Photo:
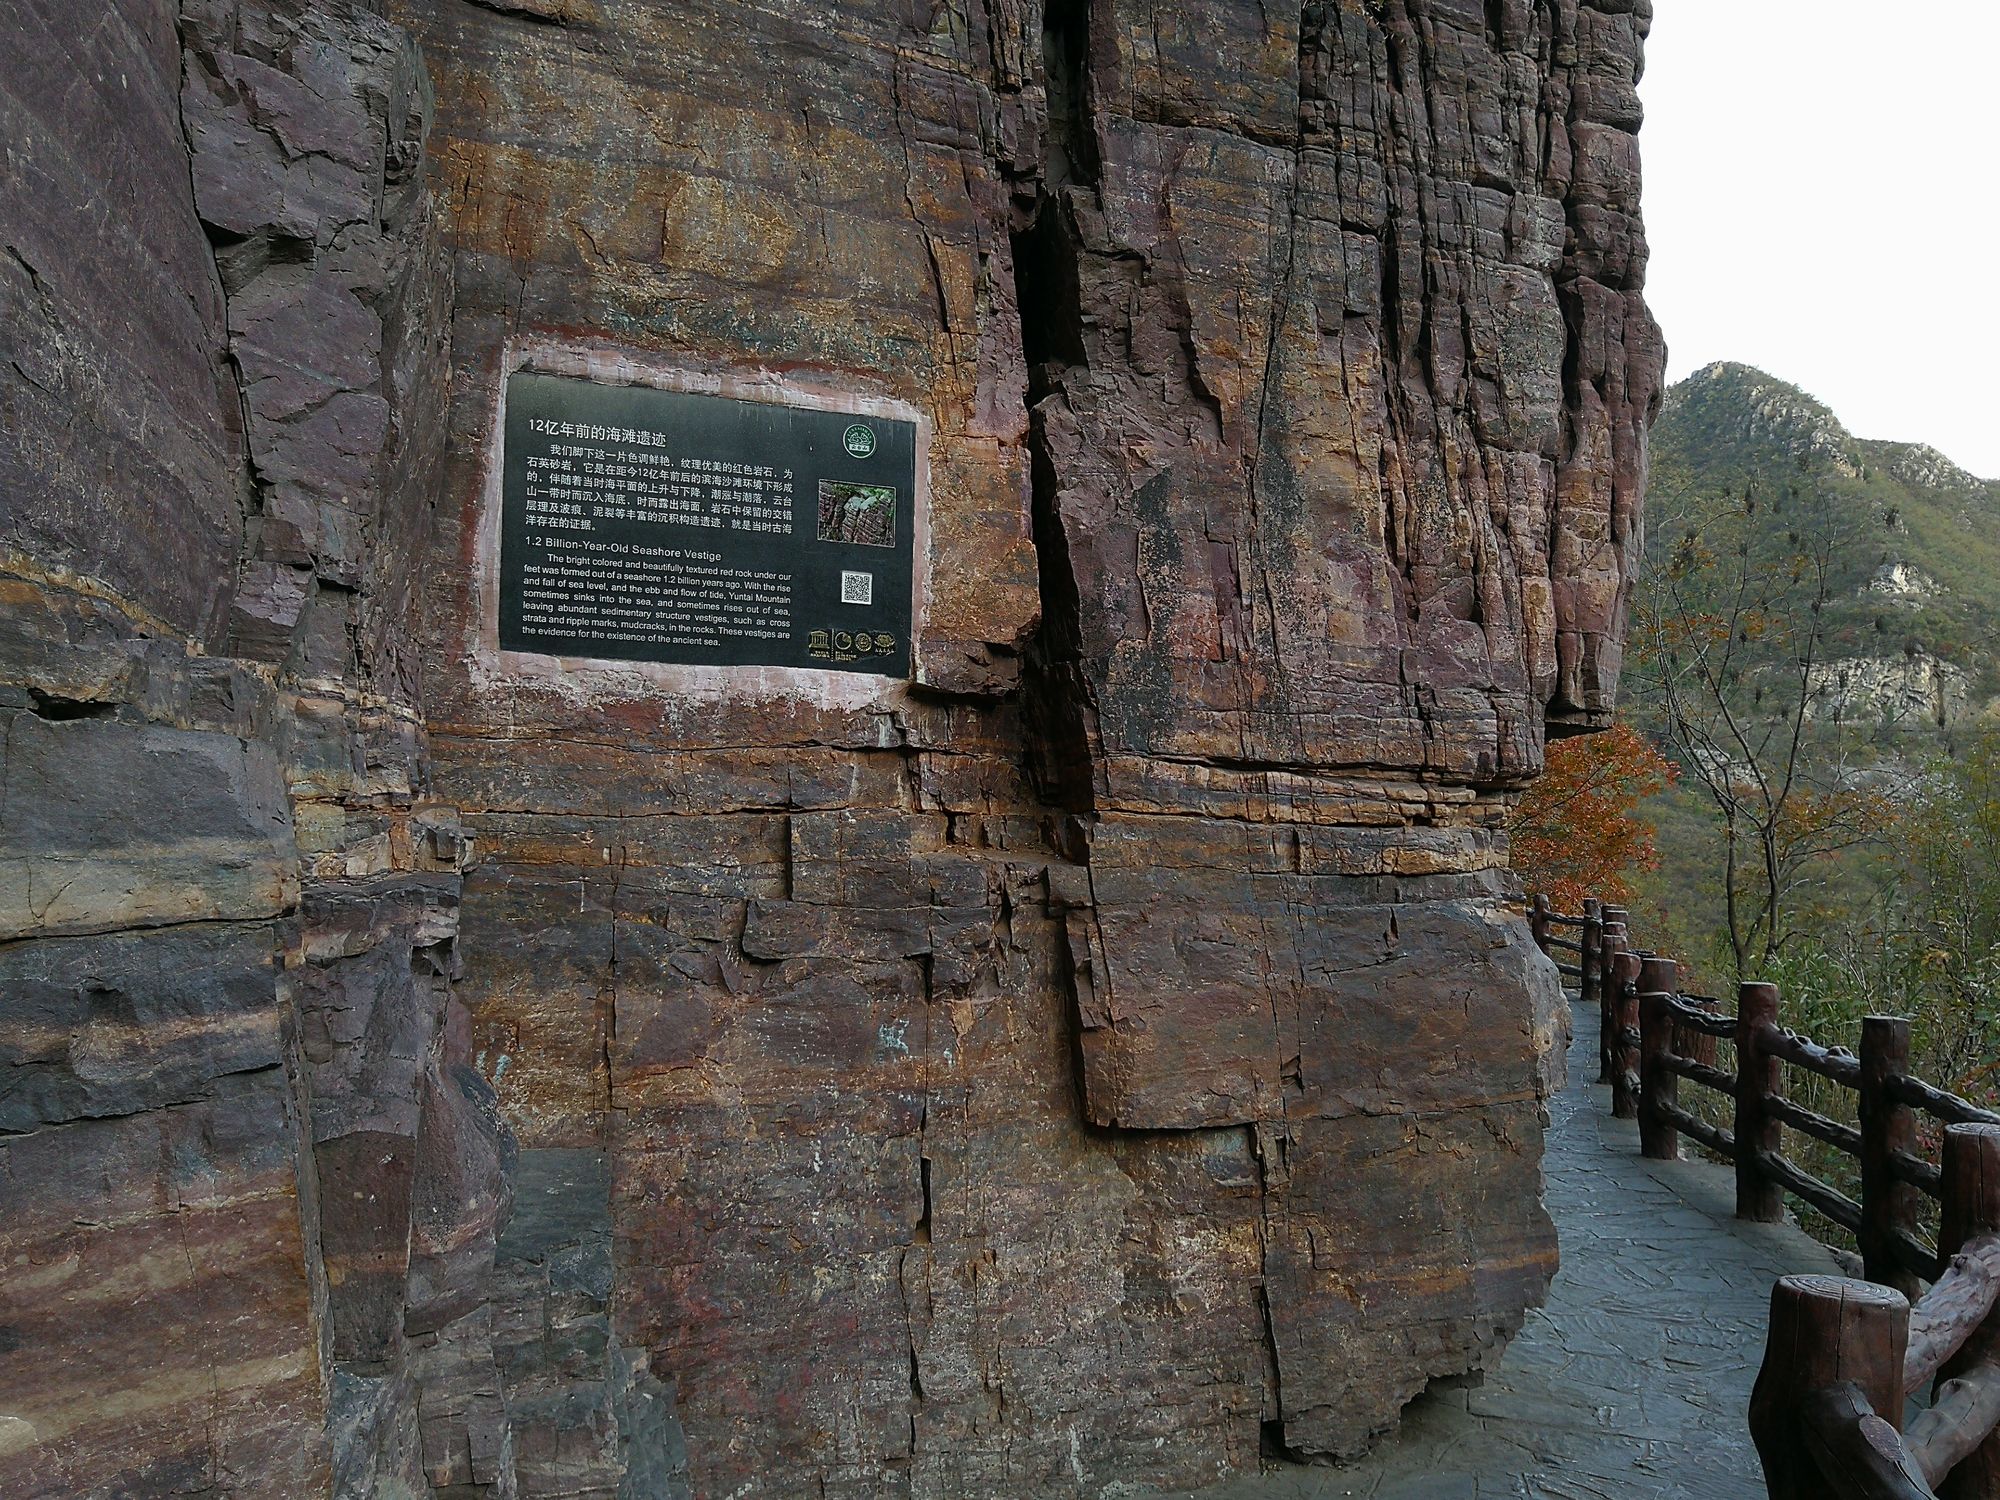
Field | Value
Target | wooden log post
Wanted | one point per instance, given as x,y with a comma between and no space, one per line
1588,961
1658,1083
1824,1330
1538,921
1609,946
1970,1191
1760,1078
1625,1018
1888,1127
1616,939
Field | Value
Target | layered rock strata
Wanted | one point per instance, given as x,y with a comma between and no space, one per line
246,1167
1102,1060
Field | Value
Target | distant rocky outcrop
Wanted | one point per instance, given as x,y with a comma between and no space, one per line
1105,1058
1922,465
1898,580
1915,689
1736,404
1724,408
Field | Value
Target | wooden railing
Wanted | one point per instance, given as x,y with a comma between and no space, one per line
1843,1354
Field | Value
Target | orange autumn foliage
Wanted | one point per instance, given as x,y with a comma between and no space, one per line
1575,832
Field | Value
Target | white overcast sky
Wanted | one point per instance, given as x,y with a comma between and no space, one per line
1823,200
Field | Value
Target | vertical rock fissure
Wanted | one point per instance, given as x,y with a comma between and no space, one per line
249,490
1048,296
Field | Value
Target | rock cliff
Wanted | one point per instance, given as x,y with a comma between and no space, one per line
1100,1060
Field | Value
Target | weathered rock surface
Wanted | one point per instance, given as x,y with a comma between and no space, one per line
1915,688
245,1169
1105,1059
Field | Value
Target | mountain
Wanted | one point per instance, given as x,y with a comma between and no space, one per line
1915,612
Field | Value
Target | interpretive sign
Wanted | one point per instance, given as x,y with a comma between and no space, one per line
665,526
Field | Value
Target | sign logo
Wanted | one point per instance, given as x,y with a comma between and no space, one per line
859,441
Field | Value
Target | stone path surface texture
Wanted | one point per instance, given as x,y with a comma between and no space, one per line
1635,1377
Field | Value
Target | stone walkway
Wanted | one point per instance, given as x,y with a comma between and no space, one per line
1634,1379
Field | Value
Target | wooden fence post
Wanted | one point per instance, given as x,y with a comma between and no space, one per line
1538,921
1824,1329
1591,933
1887,1127
1970,1191
1760,1077
1658,1084
1616,935
1625,1017
1609,946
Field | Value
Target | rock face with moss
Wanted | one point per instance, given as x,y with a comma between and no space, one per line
1106,1056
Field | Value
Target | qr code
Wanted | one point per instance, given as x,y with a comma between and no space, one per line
857,588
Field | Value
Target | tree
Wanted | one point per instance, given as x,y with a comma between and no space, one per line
1575,832
1732,642
1953,903
1930,947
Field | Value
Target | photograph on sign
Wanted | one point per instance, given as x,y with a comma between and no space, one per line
863,514
640,524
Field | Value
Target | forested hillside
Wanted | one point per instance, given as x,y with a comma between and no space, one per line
1815,653
1914,605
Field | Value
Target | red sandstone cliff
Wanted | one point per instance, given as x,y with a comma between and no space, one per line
1104,1057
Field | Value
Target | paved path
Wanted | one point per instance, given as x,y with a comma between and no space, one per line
1634,1380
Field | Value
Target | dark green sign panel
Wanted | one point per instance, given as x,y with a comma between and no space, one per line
648,525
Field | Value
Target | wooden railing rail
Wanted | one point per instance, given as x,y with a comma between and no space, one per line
1801,1184
1819,1127
1836,1063
1688,1012
1843,1354
1947,1107
1957,1304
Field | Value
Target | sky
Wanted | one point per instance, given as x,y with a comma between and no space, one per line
1822,193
